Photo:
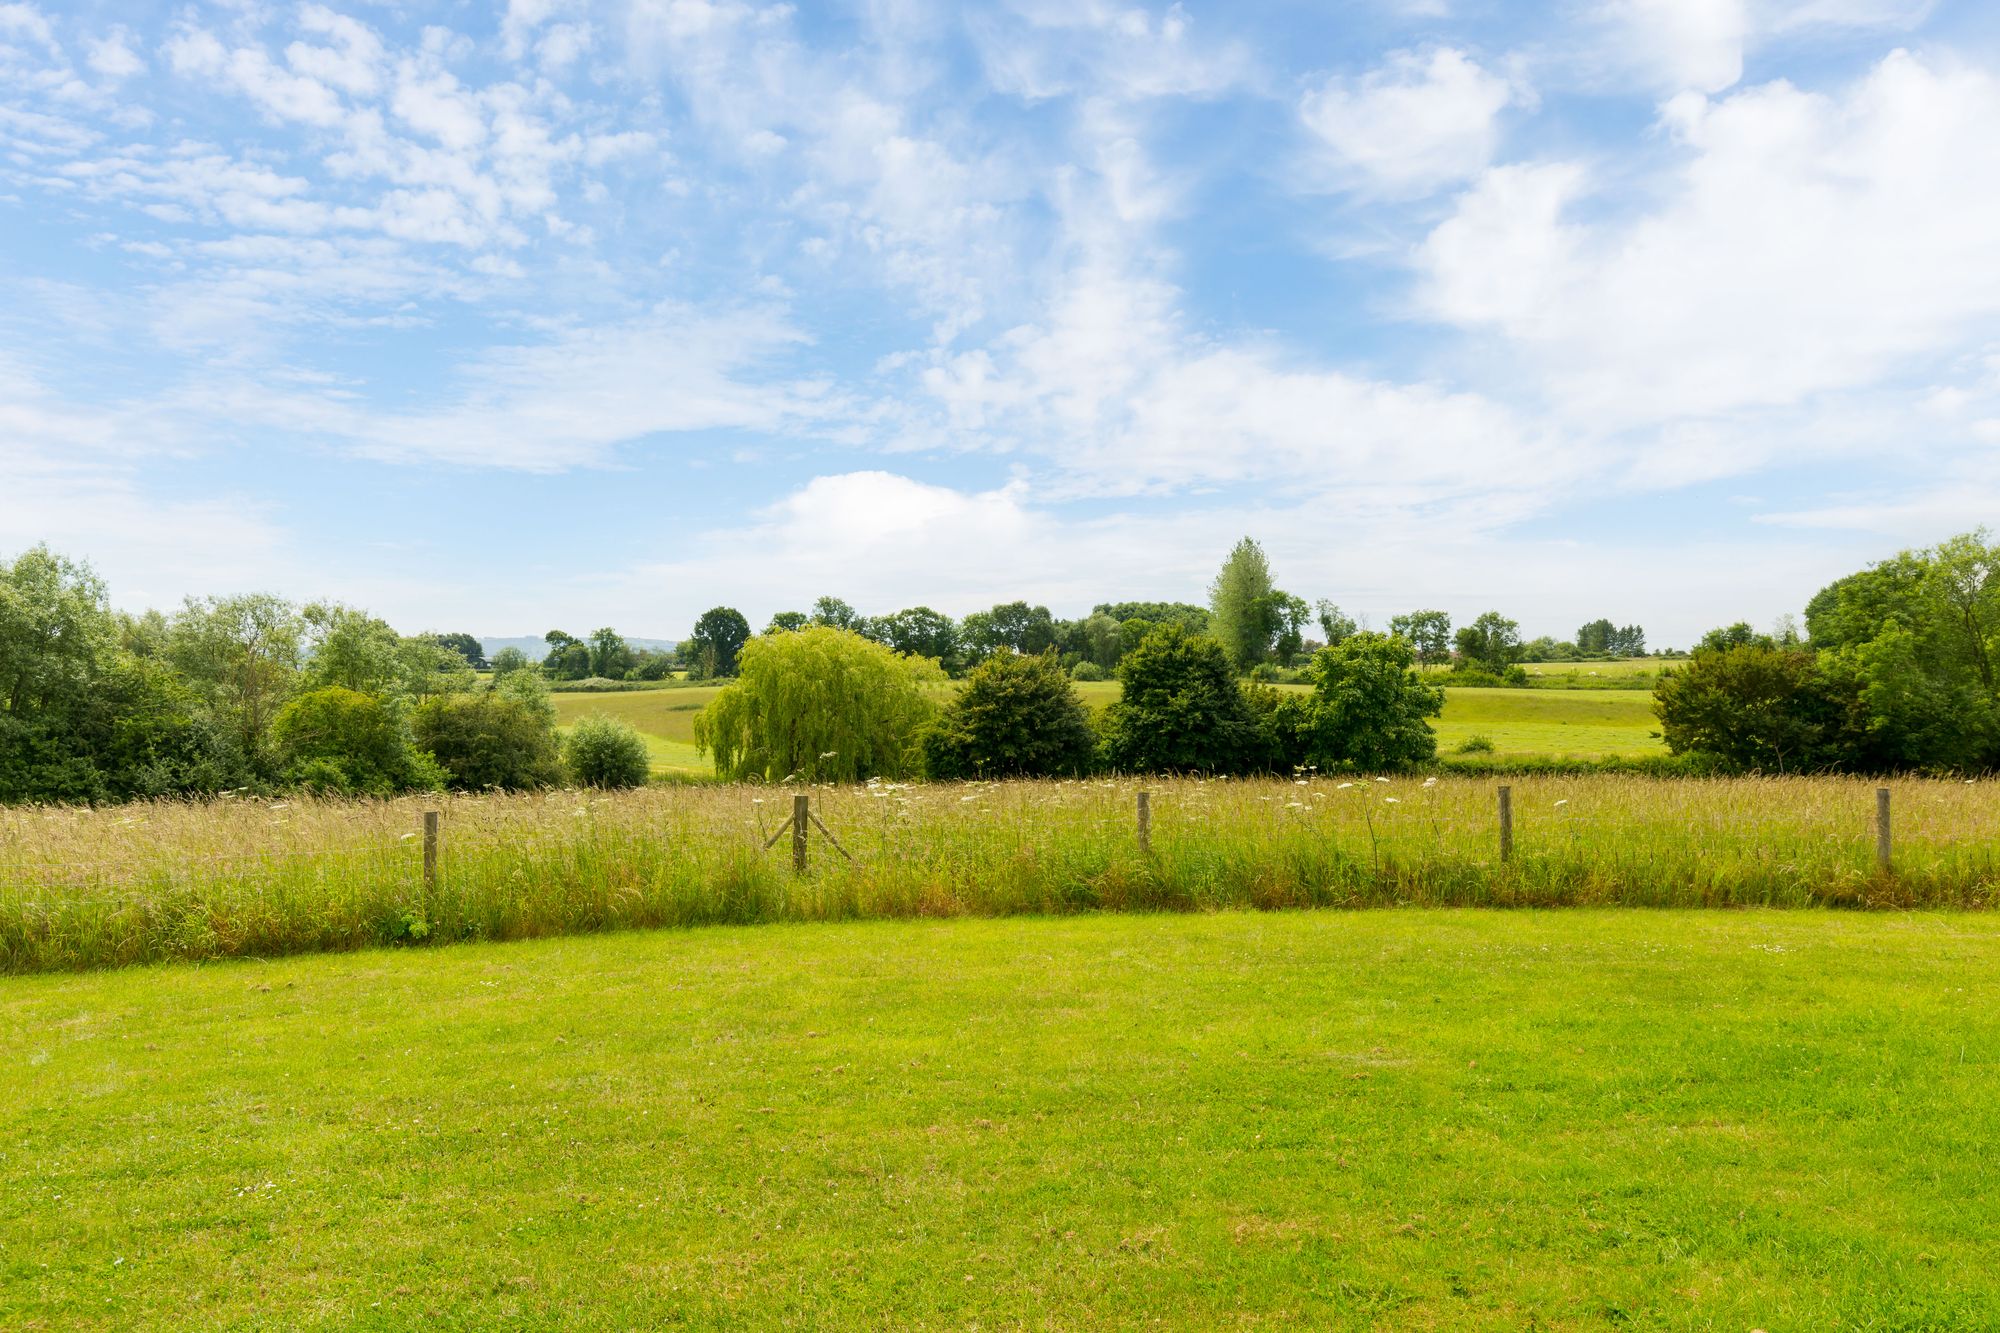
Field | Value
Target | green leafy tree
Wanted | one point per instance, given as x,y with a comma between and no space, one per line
920,632
242,656
1016,716
1242,607
1181,710
821,705
604,752
1288,617
352,649
1753,706
1739,635
1334,623
833,611
787,620
609,657
509,660
1428,632
711,648
1368,711
341,741
1186,614
501,737
1491,643
466,646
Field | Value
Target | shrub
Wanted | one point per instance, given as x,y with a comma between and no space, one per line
348,743
1087,670
1753,707
1181,710
821,704
1367,711
1476,745
604,752
1017,716
494,738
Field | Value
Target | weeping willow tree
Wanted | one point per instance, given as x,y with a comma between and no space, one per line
820,704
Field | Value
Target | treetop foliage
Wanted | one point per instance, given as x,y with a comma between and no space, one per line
819,705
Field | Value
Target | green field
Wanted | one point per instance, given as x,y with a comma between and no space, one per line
1557,722
1525,724
1398,1119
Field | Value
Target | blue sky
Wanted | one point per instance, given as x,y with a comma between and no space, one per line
563,313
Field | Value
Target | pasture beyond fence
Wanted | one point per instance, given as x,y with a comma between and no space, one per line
83,888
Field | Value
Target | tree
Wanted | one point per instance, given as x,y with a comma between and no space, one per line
711,648
1428,632
609,657
1016,716
1751,705
1288,617
347,743
604,752
1739,635
1367,711
1242,612
1181,710
509,660
1186,614
920,632
1334,623
787,620
241,655
494,738
820,705
1491,643
1102,640
832,611
465,646
353,649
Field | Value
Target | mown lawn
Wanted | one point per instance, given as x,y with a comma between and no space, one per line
1394,1119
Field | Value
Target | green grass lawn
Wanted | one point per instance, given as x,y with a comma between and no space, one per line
1395,1119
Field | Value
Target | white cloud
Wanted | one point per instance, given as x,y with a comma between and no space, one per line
1420,121
1700,45
113,57
569,401
1803,244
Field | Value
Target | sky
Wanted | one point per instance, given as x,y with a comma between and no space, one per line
560,314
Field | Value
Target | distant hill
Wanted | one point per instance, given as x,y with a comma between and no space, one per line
536,649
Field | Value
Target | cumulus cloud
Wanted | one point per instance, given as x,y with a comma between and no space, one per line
1420,121
1803,244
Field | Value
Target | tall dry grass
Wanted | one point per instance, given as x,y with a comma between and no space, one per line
92,888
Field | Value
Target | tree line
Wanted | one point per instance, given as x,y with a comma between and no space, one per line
1893,670
256,693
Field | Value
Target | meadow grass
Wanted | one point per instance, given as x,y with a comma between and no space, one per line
1410,1120
90,888
1554,723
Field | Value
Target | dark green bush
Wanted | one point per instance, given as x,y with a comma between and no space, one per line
1016,717
604,752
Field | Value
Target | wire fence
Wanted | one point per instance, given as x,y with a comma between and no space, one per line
244,876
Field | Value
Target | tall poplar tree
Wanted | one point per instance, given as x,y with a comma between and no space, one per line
1242,605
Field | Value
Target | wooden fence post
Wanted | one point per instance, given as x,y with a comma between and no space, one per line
801,816
1145,823
1882,858
1506,823
430,851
